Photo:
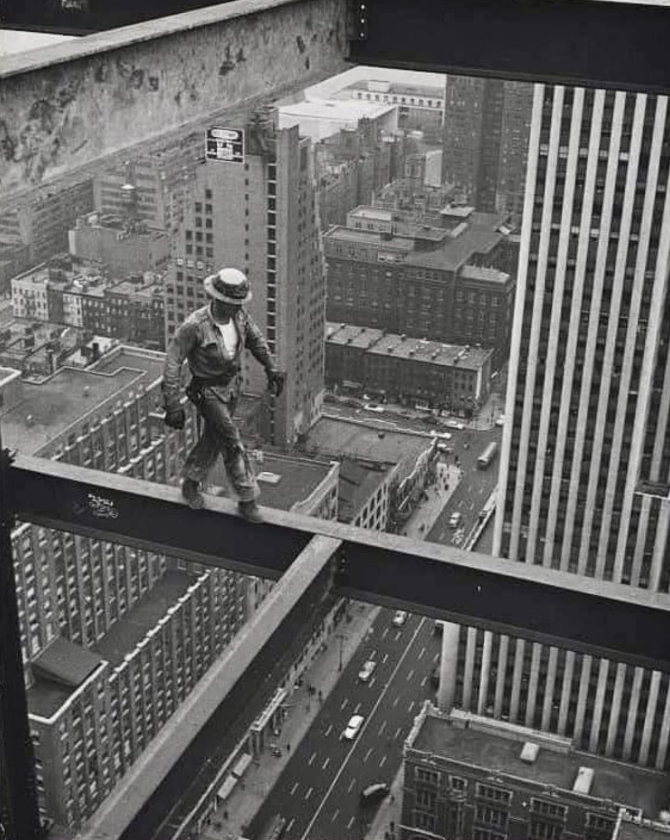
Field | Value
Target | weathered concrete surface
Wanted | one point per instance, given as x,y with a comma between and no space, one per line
72,104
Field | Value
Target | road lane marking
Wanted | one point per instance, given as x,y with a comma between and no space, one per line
383,761
372,682
288,827
344,703
395,702
410,675
327,761
367,755
436,657
295,787
334,817
423,650
351,784
397,732
411,706
397,635
385,632
329,730
373,654
312,758
386,656
358,706
324,799
309,793
424,681
382,728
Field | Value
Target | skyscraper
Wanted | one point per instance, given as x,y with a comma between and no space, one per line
485,141
260,215
585,466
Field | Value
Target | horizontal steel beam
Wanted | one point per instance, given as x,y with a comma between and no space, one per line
598,617
583,42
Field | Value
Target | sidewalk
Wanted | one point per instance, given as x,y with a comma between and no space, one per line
427,513
389,811
230,820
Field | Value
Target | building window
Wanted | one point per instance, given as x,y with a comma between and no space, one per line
543,830
431,777
493,794
548,809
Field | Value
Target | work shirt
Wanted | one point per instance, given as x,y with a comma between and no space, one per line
199,341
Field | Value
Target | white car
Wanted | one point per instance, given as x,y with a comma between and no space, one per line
400,618
353,727
454,424
500,421
376,408
366,671
455,520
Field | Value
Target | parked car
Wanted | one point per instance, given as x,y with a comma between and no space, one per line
454,424
500,421
353,727
376,408
400,618
366,671
455,519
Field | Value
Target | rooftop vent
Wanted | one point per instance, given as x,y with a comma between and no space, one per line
268,477
529,752
584,780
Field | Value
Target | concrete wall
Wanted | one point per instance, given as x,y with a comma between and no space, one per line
74,103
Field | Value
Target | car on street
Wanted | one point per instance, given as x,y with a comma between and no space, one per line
366,671
454,424
353,727
500,421
455,519
400,618
378,409
374,793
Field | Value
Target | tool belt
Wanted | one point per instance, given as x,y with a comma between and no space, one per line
228,386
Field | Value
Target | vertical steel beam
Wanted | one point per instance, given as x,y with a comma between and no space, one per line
19,814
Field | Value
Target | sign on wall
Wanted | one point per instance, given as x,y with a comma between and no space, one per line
225,144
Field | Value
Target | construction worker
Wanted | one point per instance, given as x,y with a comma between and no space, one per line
212,340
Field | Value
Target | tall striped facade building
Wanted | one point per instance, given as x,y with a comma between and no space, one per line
585,467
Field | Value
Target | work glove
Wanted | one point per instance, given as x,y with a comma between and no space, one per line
276,381
175,418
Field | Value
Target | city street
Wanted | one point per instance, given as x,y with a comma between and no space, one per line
319,791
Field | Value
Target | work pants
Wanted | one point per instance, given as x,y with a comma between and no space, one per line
220,436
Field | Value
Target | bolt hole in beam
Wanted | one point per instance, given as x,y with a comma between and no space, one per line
620,622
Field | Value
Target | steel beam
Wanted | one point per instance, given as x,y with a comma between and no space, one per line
598,617
583,42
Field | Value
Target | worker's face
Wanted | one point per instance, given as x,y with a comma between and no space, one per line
224,310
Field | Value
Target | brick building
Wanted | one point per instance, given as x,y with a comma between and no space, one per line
424,279
408,370
470,778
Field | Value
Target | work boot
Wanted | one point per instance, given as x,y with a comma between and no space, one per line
190,490
250,511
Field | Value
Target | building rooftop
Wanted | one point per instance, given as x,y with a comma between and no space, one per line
489,275
284,481
148,362
57,673
50,407
481,746
359,337
339,110
124,636
362,237
338,438
367,212
358,482
399,88
471,238
431,352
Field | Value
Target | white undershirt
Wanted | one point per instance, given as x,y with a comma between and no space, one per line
230,337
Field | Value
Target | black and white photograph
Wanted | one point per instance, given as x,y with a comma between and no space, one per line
335,420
